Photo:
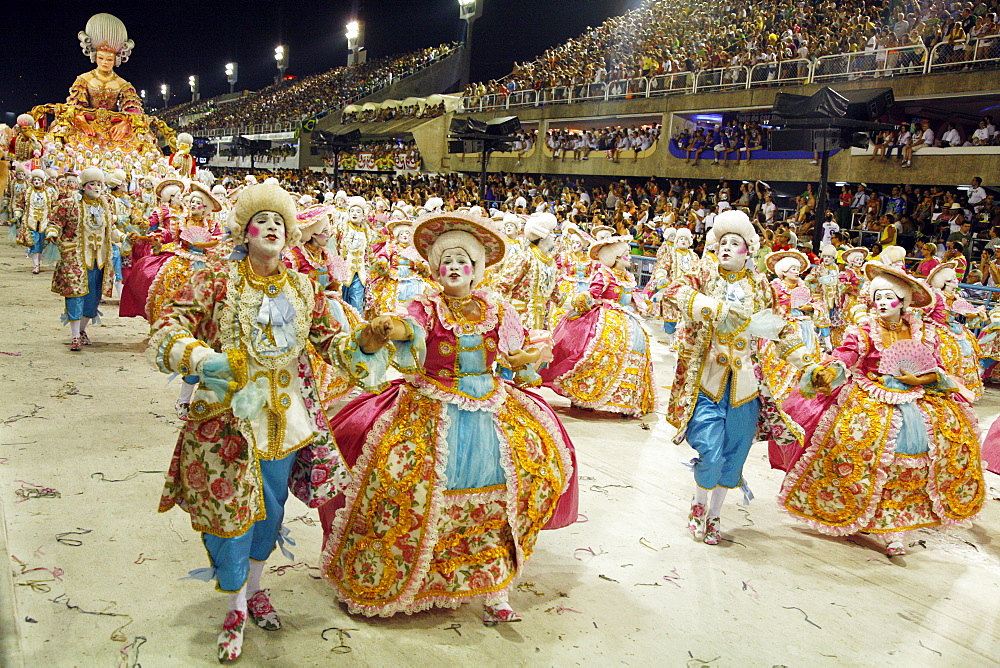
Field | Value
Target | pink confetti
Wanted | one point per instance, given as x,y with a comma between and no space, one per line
4,352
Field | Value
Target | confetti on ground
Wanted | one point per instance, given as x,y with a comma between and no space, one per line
643,425
142,558
130,653
342,648
673,577
529,587
747,587
30,490
305,519
695,661
929,649
4,352
603,489
455,626
72,542
116,635
33,414
559,609
281,570
69,389
747,516
645,543
605,577
787,607
587,549
100,476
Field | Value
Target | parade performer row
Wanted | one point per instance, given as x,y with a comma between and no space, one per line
483,465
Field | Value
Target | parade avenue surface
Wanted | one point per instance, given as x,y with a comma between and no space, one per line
85,437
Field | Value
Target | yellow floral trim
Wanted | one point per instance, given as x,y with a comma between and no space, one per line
184,368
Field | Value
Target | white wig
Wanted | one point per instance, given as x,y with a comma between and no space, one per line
892,255
459,239
898,286
938,278
105,32
264,197
609,252
786,263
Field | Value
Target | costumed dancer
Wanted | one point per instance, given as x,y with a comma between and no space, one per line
989,344
181,159
352,240
528,280
717,402
165,227
826,289
574,265
850,291
16,189
455,470
399,273
84,229
312,258
256,428
793,301
676,261
888,447
960,352
601,356
37,202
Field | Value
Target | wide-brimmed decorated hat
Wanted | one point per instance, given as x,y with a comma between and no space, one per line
213,203
392,225
168,182
596,247
772,259
432,226
920,295
937,271
595,231
846,255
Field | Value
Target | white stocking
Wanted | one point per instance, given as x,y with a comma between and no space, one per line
118,288
187,389
253,582
715,506
83,324
238,601
700,495
36,259
74,329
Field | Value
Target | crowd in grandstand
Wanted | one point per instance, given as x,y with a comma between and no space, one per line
315,95
612,141
392,113
666,37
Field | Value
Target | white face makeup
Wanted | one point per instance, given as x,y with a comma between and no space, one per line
682,241
888,304
856,260
829,261
404,235
951,286
105,61
576,243
198,203
510,229
266,233
93,189
792,272
356,214
322,235
623,260
732,252
455,270
37,181
545,245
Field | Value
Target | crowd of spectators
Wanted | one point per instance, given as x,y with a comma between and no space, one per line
392,113
667,37
612,141
315,95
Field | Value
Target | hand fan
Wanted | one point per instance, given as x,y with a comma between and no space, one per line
907,356
800,296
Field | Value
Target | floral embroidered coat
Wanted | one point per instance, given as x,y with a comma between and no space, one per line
84,243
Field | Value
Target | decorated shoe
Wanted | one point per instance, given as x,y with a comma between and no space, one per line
182,409
75,345
262,612
84,339
231,638
696,520
495,614
712,534
895,549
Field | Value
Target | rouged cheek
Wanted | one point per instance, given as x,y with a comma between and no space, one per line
894,303
253,231
741,251
442,270
467,270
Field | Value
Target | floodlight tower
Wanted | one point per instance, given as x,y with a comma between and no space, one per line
232,70
355,42
469,11
281,58
195,88
165,94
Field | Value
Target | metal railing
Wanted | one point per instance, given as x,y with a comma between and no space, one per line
887,62
964,55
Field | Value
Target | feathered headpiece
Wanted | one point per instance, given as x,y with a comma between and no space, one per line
105,32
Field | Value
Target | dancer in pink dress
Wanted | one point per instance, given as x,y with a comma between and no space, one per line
454,470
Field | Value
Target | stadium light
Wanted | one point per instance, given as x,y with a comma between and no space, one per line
232,71
468,11
165,93
355,42
195,88
281,58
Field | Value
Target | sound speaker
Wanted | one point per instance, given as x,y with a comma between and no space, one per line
868,105
506,125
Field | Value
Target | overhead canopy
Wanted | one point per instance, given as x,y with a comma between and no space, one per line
370,105
414,101
351,108
389,104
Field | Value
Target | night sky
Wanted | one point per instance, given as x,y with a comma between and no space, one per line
177,38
